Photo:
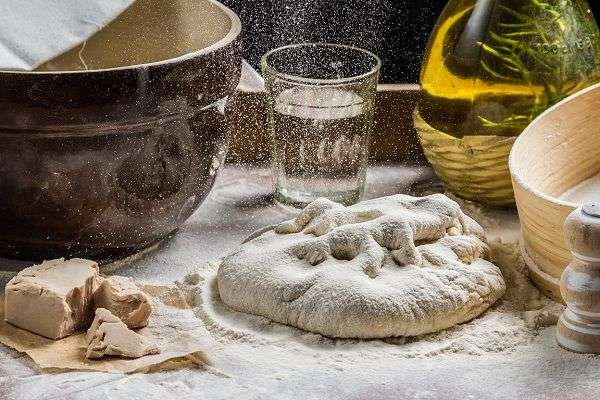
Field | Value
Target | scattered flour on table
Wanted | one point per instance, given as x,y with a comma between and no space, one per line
513,322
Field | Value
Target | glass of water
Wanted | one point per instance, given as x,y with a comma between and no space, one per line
320,120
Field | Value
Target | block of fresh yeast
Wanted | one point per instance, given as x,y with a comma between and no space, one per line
53,299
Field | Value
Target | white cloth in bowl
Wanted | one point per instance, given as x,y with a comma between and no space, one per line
35,31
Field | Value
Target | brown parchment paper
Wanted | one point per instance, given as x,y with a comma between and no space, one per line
181,337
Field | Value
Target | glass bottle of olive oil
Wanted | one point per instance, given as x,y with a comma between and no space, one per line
490,68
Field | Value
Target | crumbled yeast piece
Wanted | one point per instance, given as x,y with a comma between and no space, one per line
109,336
121,296
53,299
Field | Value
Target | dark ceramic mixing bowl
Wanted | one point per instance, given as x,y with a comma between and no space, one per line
102,162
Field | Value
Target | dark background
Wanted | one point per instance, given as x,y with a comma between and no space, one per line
397,30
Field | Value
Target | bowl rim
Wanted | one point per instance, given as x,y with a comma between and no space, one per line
511,158
234,32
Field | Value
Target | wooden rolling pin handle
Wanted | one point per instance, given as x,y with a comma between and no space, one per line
578,328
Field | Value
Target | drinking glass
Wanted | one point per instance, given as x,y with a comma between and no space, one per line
320,111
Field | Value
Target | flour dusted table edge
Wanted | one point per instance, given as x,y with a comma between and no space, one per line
238,205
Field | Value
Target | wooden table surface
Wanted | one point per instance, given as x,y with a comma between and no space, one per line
239,204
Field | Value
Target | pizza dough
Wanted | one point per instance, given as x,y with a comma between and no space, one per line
393,266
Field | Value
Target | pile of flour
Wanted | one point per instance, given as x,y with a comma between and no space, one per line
514,321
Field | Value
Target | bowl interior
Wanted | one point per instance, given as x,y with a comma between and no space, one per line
149,31
561,148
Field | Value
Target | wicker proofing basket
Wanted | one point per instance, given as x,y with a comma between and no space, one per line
557,151
473,167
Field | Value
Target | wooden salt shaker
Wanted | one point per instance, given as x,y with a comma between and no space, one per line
578,328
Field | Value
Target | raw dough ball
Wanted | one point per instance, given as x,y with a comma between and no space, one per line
394,266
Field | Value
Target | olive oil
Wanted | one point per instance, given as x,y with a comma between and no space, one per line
490,68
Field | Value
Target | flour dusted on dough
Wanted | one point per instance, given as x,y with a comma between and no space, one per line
394,266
